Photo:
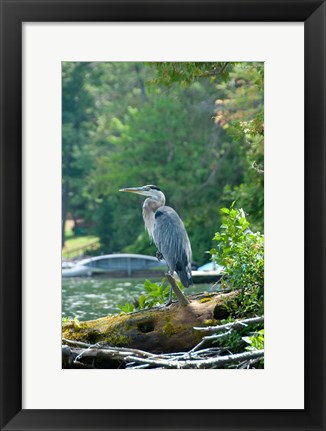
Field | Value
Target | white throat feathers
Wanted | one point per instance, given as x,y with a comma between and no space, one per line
150,206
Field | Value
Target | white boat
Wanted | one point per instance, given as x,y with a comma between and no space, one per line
118,265
211,266
211,272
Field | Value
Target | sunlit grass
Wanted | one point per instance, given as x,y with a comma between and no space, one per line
74,245
69,228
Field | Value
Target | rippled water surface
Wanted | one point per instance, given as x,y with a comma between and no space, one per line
90,298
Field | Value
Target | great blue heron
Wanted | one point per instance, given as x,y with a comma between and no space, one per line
167,230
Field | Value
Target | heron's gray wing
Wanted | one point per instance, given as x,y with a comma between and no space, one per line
172,241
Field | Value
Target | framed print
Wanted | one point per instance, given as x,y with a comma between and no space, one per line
58,61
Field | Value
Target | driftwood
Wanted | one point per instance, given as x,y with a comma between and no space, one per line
226,330
200,363
158,330
95,356
76,354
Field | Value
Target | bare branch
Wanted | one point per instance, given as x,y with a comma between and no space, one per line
204,363
210,338
138,359
75,343
238,324
258,169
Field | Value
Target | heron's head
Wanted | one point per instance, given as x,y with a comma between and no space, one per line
150,191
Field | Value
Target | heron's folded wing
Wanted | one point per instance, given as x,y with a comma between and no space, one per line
171,238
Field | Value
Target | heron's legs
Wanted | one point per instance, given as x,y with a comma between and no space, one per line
179,294
159,257
169,301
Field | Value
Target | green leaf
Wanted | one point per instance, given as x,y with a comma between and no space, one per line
141,301
126,308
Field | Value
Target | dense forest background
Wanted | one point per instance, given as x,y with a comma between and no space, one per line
193,129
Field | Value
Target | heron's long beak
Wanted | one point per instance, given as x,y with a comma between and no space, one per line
138,190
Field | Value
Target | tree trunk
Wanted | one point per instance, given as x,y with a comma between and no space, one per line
65,196
141,83
157,330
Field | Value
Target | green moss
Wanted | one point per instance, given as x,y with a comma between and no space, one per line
225,309
90,335
115,338
206,299
210,322
169,328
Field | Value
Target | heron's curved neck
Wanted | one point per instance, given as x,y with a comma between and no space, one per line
149,207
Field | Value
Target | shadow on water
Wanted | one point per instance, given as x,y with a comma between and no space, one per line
89,298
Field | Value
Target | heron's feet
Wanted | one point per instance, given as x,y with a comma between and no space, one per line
169,301
159,255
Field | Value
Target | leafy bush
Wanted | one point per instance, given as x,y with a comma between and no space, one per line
156,294
241,252
256,341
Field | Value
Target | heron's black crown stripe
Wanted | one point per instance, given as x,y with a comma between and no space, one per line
154,188
158,213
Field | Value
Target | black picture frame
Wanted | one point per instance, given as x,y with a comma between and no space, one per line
13,14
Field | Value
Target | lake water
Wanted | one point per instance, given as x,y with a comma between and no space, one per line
93,297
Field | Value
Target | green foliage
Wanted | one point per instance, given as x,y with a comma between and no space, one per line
241,252
156,294
256,341
65,319
127,308
244,122
232,342
168,73
77,126
237,341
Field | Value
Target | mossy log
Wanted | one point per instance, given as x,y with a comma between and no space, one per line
157,330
